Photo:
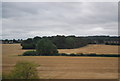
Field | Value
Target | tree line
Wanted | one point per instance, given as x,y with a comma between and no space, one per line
47,47
70,42
61,42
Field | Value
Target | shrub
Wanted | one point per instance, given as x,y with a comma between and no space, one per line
46,48
81,54
56,54
24,70
72,54
29,53
92,54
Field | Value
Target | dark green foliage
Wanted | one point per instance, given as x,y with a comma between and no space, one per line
73,54
36,39
34,53
92,55
57,54
46,47
29,53
59,41
63,54
81,54
28,44
23,70
70,42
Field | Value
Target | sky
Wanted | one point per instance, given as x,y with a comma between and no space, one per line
21,20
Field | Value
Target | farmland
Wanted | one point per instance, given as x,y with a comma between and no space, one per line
93,48
64,67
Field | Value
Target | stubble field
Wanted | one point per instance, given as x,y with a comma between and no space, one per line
66,67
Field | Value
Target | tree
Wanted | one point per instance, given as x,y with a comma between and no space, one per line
70,42
36,39
28,44
60,41
46,47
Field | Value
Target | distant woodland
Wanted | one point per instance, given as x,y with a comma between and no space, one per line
66,42
70,42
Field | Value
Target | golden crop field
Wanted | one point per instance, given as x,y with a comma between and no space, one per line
66,67
93,48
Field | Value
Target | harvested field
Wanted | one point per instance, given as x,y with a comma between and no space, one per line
93,48
63,67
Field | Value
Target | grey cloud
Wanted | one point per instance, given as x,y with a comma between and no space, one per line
28,19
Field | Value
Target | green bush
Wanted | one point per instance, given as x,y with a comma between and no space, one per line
23,70
46,48
29,53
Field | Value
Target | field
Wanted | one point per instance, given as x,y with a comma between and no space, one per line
65,67
93,48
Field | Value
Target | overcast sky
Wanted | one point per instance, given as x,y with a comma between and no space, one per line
30,19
